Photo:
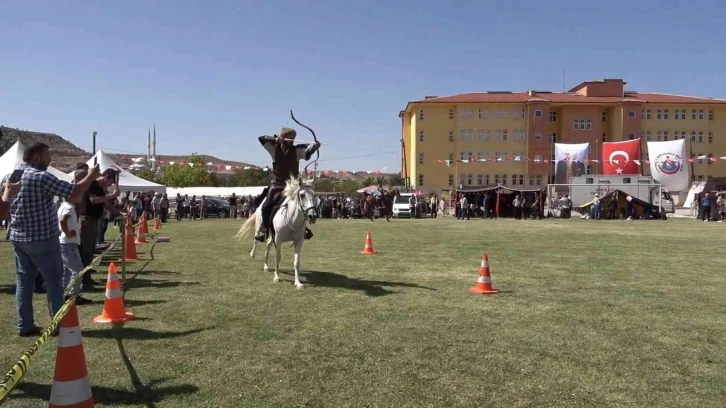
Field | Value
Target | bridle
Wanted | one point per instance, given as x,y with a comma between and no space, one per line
304,211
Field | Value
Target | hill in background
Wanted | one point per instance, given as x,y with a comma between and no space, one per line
66,155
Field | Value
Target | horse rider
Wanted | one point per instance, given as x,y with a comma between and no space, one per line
285,164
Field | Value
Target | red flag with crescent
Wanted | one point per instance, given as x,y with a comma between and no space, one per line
621,157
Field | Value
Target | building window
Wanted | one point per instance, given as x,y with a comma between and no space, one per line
537,135
631,136
700,137
632,114
710,114
659,135
520,135
498,114
481,135
694,114
582,124
589,148
451,179
588,169
518,113
451,114
501,134
535,180
683,135
665,135
538,114
701,114
665,113
466,135
420,180
700,156
486,179
420,135
683,114
518,156
659,114
504,179
679,114
553,137
497,179
487,114
520,179
482,157
466,156
647,114
710,137
451,157
466,114
505,114
604,137
479,179
538,158
553,116
420,115
451,135
604,116
648,135
499,156
481,114
420,158
699,178
693,136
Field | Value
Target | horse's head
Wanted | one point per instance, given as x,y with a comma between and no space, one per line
301,192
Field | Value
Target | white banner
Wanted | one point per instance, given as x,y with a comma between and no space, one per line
669,165
569,159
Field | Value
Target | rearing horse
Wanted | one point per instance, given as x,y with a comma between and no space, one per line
288,224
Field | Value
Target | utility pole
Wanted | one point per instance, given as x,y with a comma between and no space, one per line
94,142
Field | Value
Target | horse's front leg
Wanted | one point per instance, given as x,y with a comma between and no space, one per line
278,255
296,262
267,254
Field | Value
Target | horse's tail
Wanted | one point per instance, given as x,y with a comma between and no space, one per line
247,226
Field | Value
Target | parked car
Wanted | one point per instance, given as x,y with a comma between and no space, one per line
401,208
217,207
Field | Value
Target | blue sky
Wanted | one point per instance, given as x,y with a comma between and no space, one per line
214,75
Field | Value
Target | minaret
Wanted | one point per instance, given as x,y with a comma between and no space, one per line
153,152
148,149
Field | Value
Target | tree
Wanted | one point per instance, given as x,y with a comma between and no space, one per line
192,174
252,177
396,180
146,174
7,139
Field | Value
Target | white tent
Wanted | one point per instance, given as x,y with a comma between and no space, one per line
127,181
13,159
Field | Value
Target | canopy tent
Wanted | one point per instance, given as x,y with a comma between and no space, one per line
215,191
642,209
503,195
13,159
698,187
127,181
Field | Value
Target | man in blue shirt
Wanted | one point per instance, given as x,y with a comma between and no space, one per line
34,233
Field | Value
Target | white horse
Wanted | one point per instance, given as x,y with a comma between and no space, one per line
289,224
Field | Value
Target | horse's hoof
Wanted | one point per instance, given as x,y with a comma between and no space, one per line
299,286
265,269
275,280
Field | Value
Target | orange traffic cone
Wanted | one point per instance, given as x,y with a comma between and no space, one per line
114,310
140,233
484,283
368,249
71,386
129,243
157,223
143,226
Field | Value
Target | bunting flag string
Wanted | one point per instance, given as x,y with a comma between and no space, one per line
521,159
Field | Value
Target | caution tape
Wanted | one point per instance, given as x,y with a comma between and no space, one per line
17,372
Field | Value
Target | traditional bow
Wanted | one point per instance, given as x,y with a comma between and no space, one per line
317,151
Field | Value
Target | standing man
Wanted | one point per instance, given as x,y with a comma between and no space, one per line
285,164
34,233
95,202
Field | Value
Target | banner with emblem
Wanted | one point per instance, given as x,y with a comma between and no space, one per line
620,157
668,164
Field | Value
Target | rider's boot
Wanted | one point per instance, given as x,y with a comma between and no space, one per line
261,234
308,233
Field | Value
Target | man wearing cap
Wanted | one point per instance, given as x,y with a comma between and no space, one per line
285,164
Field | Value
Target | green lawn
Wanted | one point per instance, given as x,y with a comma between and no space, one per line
591,314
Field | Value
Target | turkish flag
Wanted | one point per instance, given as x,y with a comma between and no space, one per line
619,157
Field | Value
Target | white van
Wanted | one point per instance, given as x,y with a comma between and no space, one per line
401,208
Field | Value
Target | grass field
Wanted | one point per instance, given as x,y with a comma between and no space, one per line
591,314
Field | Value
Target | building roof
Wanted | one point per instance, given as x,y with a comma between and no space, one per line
565,97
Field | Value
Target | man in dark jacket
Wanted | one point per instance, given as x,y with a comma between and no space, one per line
285,164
